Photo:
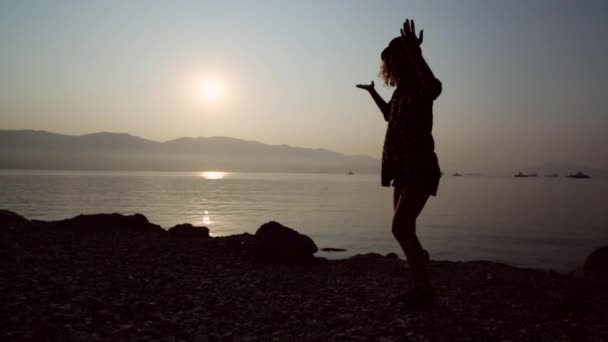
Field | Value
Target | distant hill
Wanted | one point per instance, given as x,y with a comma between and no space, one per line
28,149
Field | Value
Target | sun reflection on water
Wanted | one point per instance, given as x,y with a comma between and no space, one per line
206,220
213,174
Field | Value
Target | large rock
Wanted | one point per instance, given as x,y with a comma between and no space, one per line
596,265
108,223
276,243
9,217
189,231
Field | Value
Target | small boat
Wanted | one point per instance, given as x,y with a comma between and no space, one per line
456,174
350,173
579,175
523,175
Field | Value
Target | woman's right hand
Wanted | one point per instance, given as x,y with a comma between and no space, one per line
368,87
384,108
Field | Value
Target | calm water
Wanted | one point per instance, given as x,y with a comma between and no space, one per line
533,222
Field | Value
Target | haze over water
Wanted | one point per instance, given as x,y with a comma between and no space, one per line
534,222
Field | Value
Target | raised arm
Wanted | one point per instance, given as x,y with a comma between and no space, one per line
384,107
431,86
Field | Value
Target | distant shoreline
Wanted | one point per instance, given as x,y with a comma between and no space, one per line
27,149
177,172
119,171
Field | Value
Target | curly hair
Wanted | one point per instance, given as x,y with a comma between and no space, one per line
388,74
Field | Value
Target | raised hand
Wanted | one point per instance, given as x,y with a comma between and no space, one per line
430,86
408,37
368,87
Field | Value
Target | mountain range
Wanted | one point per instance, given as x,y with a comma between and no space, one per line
29,149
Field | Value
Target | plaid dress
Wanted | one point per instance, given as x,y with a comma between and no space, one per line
408,156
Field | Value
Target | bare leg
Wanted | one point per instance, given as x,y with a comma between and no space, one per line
409,205
396,196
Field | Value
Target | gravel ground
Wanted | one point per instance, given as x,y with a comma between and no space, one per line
83,285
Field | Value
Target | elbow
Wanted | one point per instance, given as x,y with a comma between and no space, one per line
433,89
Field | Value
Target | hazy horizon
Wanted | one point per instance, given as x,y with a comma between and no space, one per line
187,137
121,151
523,82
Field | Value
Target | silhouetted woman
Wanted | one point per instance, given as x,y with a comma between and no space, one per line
408,159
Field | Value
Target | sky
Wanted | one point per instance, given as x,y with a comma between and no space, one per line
524,82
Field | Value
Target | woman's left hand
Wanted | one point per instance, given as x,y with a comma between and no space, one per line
409,39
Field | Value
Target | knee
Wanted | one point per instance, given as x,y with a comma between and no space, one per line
403,229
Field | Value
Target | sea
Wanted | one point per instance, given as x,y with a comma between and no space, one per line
535,222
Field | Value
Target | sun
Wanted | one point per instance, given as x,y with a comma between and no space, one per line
209,89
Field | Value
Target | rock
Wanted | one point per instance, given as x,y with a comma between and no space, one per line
579,272
366,256
276,243
333,250
190,231
596,264
108,223
9,217
392,255
320,260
